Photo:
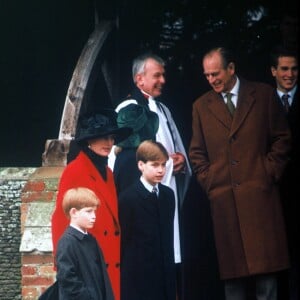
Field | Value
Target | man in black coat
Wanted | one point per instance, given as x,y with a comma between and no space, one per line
284,68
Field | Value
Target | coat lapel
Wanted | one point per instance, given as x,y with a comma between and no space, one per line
107,193
217,107
146,199
244,104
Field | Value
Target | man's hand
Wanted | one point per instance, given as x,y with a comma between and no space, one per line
178,162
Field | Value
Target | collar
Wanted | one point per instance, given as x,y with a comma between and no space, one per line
235,90
149,187
100,162
146,95
77,228
76,232
291,93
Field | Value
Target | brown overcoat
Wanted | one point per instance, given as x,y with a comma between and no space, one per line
238,162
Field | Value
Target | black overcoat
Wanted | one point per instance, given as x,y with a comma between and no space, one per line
81,271
289,189
147,253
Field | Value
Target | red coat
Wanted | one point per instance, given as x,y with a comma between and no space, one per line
82,173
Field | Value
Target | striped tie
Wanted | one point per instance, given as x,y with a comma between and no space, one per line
285,100
154,190
229,103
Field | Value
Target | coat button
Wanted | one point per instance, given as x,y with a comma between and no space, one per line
105,232
117,265
117,232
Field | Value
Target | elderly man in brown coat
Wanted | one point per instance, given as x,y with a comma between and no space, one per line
239,149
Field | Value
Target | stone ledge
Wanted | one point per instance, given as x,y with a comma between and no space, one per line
36,240
37,232
16,173
47,172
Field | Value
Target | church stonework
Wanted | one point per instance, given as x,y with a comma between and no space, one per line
37,203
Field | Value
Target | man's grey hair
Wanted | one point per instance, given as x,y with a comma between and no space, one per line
138,65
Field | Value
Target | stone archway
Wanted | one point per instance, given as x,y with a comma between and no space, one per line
39,193
95,60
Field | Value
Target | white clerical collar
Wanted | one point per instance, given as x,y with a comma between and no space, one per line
149,97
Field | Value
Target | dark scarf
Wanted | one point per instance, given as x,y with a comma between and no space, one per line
99,161
137,95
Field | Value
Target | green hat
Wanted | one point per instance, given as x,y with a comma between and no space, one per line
143,122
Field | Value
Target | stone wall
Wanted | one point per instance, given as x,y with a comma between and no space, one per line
38,199
27,199
12,181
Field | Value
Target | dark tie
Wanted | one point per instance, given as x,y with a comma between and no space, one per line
154,190
285,100
229,103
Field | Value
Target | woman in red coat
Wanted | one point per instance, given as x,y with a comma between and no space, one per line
96,136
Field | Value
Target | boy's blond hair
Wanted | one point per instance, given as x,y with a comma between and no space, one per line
79,198
151,151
